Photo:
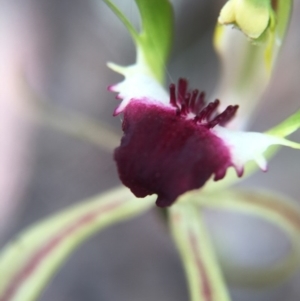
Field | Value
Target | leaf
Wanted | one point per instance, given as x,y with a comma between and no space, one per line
155,39
205,280
280,211
29,261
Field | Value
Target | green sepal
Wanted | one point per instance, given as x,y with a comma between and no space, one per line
286,127
203,273
280,211
29,261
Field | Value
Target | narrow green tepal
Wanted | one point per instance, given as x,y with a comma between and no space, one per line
278,210
283,10
287,127
279,22
204,277
155,39
28,263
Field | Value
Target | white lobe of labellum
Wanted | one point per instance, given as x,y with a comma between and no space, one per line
137,85
247,146
140,84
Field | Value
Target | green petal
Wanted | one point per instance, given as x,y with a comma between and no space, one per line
205,280
29,261
287,127
154,41
278,210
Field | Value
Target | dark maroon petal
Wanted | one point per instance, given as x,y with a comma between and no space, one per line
164,153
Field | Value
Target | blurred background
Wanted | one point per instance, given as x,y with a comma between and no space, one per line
61,47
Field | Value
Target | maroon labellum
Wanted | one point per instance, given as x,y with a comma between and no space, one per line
169,150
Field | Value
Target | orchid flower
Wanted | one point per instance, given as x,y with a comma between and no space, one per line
176,145
173,140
